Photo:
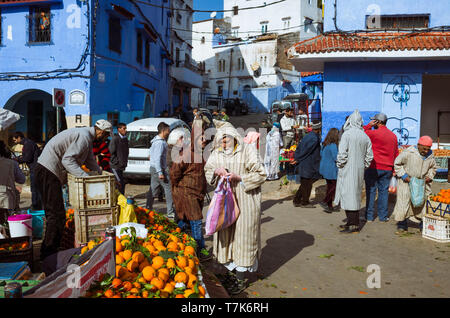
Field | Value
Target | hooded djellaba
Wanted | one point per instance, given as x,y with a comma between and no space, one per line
238,246
354,156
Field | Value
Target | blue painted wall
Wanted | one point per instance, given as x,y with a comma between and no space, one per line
367,86
351,13
71,40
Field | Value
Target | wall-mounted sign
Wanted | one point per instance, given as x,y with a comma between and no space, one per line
59,97
77,97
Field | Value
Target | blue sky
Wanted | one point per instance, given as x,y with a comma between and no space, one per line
207,5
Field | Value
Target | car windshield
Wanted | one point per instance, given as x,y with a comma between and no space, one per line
140,139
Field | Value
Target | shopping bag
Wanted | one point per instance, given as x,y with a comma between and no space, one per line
393,185
417,189
127,213
223,210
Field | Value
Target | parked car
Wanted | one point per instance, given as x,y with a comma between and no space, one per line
140,134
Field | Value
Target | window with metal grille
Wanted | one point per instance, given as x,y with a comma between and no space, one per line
139,48
115,35
394,22
147,54
39,25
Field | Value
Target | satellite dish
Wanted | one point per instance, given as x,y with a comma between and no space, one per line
213,14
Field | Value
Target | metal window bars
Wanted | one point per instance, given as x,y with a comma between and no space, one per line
39,25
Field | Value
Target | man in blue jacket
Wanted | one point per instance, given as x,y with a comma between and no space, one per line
307,159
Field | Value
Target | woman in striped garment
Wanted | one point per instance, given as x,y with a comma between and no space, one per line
238,246
102,154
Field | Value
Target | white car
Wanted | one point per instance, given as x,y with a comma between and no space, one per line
140,133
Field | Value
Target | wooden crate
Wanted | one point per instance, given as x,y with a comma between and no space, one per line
93,192
91,224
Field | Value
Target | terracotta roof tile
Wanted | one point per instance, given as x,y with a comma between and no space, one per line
361,42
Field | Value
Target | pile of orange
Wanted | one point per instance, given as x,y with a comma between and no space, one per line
441,152
163,265
443,196
8,247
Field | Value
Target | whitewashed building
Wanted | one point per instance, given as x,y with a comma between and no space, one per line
248,55
184,72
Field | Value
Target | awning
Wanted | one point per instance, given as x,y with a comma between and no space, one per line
4,3
313,78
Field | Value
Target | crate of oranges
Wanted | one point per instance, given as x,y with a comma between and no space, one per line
439,204
17,249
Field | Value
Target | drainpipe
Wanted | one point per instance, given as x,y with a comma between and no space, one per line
229,75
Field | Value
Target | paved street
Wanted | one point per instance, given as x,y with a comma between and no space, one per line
304,255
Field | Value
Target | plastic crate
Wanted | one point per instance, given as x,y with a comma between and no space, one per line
25,255
438,209
92,224
93,192
436,228
441,162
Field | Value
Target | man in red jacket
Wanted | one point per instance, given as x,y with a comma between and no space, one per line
378,175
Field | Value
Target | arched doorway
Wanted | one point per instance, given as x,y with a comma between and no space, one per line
38,116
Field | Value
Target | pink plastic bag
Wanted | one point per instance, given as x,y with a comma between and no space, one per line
223,210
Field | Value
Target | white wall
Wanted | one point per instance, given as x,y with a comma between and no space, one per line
282,17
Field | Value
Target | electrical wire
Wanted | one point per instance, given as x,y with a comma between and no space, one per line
209,11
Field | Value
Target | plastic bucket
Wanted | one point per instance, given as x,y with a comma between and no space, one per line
38,222
20,225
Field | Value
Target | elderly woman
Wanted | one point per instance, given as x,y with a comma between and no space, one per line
187,177
238,246
354,156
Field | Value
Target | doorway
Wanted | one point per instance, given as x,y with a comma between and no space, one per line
35,120
435,112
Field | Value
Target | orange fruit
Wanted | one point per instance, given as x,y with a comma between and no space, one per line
120,271
138,257
116,296
127,254
127,286
145,294
161,248
137,285
109,293
142,280
125,241
144,264
201,290
158,243
157,262
132,265
172,246
179,296
116,283
181,277
151,249
119,259
91,245
192,280
181,246
188,292
131,296
157,283
189,250
84,249
163,276
119,246
182,261
169,288
148,273
170,263
191,263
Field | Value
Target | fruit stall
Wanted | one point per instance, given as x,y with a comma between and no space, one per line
147,257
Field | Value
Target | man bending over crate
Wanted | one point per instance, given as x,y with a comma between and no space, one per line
415,162
64,153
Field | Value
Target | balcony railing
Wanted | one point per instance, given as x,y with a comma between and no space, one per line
39,27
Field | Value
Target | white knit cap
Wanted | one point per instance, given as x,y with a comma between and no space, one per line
104,125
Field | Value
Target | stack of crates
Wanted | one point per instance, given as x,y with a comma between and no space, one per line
95,206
